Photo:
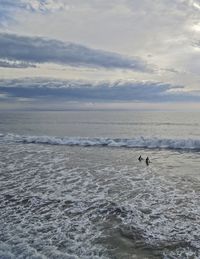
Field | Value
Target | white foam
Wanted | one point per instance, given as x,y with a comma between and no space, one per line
138,142
74,210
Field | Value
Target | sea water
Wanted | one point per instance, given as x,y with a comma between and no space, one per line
71,185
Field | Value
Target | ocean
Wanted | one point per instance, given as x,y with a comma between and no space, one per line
71,185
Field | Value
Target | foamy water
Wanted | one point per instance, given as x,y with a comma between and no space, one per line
89,197
64,202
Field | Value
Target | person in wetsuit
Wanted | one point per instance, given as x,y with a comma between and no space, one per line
140,158
147,161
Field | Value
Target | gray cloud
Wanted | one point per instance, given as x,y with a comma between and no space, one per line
33,5
9,8
40,50
47,89
43,5
15,64
6,9
160,31
196,44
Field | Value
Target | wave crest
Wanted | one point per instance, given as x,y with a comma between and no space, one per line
138,142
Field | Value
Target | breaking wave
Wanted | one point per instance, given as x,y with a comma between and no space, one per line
138,142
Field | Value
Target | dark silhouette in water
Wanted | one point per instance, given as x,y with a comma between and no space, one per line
140,158
147,161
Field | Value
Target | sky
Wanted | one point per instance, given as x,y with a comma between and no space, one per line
140,54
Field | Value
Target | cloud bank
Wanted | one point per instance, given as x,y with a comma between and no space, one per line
40,50
129,91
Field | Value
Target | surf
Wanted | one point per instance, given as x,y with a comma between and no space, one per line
137,142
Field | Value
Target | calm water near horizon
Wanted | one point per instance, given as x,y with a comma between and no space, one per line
125,124
71,185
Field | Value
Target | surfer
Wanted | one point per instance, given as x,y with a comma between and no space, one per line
147,161
140,158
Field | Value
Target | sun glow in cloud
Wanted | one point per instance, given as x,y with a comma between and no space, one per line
196,4
196,27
